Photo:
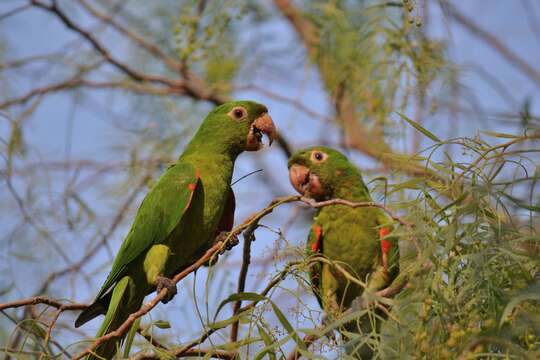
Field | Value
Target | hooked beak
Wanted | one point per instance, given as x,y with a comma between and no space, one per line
262,125
305,182
299,177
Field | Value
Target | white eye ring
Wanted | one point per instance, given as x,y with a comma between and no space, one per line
318,156
238,113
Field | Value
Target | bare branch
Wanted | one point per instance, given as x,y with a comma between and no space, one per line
277,279
126,69
117,220
206,353
308,340
248,225
14,11
193,86
42,300
359,137
388,292
208,255
136,38
249,237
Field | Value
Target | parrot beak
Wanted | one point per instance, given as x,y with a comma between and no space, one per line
299,177
262,125
305,182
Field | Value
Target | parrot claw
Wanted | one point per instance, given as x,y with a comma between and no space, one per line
233,241
166,283
220,238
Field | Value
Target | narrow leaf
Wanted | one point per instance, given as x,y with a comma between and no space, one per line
420,128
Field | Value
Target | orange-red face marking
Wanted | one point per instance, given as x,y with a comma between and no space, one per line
316,247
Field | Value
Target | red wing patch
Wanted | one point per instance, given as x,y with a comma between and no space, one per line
385,247
317,230
192,187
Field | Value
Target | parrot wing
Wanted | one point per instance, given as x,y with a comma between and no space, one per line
227,218
159,214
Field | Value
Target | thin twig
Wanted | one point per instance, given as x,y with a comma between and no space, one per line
208,255
206,353
42,300
277,279
136,38
388,292
122,329
14,11
368,141
124,68
248,226
308,340
249,237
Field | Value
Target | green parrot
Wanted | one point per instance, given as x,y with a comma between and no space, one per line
355,238
191,204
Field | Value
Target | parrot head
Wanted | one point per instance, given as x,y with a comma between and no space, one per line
319,171
239,124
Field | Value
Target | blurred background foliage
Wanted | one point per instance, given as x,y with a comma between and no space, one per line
433,100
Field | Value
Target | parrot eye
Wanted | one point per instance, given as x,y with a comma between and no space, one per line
238,113
318,156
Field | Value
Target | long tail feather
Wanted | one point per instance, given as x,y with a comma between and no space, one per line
123,303
97,308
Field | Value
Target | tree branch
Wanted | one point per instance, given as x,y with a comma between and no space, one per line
247,226
209,255
192,86
124,68
249,237
248,307
42,300
388,292
358,136
136,38
206,353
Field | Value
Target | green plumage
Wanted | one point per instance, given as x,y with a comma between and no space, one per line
178,219
347,236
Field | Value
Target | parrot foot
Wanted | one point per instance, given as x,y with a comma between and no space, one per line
166,283
220,238
233,241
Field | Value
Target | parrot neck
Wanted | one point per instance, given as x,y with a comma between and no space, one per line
352,188
211,149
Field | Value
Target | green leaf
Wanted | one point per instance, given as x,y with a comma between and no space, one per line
227,322
453,203
131,336
248,296
500,135
521,204
420,128
162,324
268,341
531,293
287,325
